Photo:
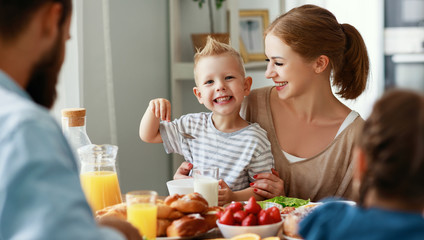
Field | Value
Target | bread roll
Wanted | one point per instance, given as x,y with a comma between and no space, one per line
189,203
161,226
211,216
190,225
117,210
167,212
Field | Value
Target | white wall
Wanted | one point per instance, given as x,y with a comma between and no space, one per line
134,35
139,34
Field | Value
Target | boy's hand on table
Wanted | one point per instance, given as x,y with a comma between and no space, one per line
224,193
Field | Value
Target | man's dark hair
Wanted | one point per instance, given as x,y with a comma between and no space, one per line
15,15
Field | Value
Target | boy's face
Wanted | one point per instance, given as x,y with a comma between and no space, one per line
220,84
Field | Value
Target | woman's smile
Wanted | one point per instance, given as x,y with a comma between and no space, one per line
280,85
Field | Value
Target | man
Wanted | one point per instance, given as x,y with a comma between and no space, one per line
40,192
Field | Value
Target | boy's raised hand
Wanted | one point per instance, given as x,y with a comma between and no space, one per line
161,108
158,109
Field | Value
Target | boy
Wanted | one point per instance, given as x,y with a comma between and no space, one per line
221,138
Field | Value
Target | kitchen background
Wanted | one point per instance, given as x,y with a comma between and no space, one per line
124,53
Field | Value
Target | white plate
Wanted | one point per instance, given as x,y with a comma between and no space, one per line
311,204
303,206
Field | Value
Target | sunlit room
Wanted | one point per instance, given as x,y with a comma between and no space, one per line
136,72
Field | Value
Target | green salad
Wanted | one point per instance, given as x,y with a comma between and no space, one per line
288,201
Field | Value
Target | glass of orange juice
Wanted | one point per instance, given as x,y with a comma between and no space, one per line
142,212
99,179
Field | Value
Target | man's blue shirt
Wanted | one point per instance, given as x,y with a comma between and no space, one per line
40,191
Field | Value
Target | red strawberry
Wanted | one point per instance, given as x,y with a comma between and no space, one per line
274,213
227,218
235,206
239,216
264,218
252,206
250,220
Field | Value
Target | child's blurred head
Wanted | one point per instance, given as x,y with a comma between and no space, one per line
392,142
221,84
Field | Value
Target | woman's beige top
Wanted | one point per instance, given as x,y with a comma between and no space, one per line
328,173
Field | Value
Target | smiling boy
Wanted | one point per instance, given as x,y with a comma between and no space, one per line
222,138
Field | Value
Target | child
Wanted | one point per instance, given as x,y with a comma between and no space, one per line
390,169
222,138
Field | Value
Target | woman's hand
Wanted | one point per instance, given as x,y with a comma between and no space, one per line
183,170
224,193
268,185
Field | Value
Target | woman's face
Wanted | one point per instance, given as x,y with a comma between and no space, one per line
291,73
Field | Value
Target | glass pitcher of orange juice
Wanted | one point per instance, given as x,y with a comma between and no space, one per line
98,175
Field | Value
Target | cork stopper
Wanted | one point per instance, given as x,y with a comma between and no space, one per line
76,116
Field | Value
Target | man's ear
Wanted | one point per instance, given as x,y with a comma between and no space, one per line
51,16
247,85
321,63
198,95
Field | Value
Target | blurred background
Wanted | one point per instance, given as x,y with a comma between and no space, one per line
124,53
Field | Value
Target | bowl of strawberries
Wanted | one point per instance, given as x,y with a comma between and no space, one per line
249,217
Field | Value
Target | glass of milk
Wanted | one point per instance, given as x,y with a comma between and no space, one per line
206,183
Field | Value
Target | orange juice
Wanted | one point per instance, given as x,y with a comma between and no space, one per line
143,217
101,189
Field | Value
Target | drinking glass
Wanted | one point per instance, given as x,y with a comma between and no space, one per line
206,183
142,212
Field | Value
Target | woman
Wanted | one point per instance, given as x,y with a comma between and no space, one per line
310,130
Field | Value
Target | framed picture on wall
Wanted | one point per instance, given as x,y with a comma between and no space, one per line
252,25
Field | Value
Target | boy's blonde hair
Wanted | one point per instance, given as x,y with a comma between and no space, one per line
214,48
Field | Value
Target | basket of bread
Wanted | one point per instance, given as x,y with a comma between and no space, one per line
177,215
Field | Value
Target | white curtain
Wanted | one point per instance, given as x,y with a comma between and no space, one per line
71,80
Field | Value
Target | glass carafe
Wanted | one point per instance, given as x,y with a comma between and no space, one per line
98,175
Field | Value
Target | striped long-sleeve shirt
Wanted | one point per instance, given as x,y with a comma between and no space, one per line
239,155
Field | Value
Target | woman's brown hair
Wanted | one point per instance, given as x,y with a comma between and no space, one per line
393,141
313,31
